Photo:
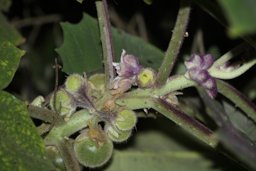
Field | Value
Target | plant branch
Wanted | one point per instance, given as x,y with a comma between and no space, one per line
41,113
186,122
175,43
77,122
106,40
66,150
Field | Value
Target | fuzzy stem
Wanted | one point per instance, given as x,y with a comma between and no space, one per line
66,150
175,43
186,122
77,122
41,113
106,40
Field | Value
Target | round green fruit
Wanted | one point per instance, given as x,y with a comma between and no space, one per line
91,152
74,82
125,120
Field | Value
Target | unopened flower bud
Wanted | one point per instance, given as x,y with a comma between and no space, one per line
125,120
74,82
63,103
116,135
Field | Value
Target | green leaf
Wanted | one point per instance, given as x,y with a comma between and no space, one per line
162,147
240,120
21,147
8,32
5,4
241,15
9,61
81,50
148,55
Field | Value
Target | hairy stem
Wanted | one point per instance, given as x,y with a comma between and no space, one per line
186,122
106,40
41,113
77,122
175,43
67,153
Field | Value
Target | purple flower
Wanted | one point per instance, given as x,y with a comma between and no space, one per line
127,71
197,70
128,66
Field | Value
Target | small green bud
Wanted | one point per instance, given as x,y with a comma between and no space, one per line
146,78
38,101
98,80
74,82
117,135
91,152
125,120
63,103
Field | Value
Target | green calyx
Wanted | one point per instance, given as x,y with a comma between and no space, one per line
62,103
125,120
92,152
116,135
74,82
146,78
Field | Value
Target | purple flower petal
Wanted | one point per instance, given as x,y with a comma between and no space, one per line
194,61
209,83
128,66
207,61
199,76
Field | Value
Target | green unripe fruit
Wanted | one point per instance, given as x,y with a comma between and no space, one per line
54,155
74,82
63,103
146,78
117,135
125,120
91,152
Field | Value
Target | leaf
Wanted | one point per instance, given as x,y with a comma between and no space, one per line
162,147
149,55
240,120
9,61
5,4
8,32
21,147
241,15
233,139
81,50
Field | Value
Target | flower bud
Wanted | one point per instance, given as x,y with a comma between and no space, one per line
116,135
63,104
73,83
125,120
146,78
